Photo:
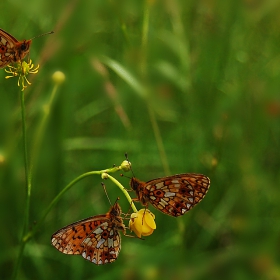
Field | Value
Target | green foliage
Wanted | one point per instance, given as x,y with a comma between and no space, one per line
182,86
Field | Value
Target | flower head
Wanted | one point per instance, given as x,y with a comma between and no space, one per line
21,71
142,222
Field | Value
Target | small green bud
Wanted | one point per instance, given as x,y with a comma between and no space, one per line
126,166
58,77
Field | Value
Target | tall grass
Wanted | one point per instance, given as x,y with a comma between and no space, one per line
182,86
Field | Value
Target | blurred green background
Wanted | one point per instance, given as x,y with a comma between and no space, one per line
182,86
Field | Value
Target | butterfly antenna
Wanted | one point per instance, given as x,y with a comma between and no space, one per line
126,157
47,33
104,187
117,200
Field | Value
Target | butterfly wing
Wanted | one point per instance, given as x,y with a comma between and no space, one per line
96,238
175,195
7,45
68,240
12,50
102,245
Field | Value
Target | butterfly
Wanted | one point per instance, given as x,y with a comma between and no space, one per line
173,195
96,238
12,50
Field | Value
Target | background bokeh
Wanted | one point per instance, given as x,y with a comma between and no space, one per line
182,86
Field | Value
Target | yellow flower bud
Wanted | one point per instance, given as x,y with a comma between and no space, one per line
58,77
142,222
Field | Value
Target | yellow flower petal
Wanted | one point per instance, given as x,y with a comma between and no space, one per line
142,222
21,71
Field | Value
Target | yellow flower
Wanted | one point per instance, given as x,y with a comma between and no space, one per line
142,222
21,71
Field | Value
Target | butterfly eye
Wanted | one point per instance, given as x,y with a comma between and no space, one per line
23,47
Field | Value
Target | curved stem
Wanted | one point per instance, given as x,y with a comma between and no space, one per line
58,197
39,134
123,189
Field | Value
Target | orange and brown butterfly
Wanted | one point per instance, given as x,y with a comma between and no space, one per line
96,238
12,50
173,195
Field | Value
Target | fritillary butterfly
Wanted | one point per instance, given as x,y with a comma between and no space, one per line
96,238
173,195
12,50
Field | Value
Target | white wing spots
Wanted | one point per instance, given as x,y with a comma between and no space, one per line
174,181
162,203
184,211
159,185
99,230
189,186
191,199
3,41
110,242
88,241
152,197
100,242
169,194
191,193
189,205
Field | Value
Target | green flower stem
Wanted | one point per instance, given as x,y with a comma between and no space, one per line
28,188
42,127
58,197
125,192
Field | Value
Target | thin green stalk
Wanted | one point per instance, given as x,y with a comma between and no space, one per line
41,128
28,188
123,189
31,233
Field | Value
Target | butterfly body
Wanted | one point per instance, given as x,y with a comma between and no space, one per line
173,195
12,50
96,238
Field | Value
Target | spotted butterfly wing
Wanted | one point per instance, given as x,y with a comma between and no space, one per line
12,50
173,195
96,238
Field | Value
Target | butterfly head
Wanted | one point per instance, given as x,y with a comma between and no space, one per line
135,183
22,49
115,210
